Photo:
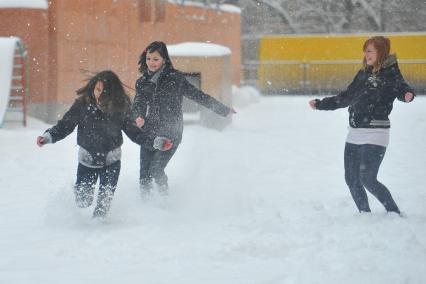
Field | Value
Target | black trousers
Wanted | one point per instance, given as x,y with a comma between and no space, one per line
86,183
362,163
152,165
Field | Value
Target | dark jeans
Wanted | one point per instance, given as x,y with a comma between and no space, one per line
362,164
86,182
152,165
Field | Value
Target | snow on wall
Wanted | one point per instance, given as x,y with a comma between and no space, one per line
230,8
222,7
7,51
30,4
198,49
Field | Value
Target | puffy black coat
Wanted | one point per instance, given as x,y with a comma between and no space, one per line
370,96
98,132
160,104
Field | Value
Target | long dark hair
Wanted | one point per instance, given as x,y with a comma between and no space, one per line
382,45
162,50
113,98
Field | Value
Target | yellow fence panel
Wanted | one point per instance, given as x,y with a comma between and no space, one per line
328,63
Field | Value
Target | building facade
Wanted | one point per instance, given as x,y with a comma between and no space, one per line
69,40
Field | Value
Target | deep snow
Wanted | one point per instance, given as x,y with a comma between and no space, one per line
263,201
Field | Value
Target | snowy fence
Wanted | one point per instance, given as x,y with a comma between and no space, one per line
323,77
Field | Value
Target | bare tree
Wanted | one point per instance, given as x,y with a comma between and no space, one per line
331,16
282,13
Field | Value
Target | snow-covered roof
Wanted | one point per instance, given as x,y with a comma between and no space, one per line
29,4
197,49
230,8
223,7
7,51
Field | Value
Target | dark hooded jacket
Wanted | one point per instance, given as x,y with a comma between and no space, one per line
159,102
98,132
370,96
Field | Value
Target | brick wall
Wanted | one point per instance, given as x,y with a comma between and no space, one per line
94,35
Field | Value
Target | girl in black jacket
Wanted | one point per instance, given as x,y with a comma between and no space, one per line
101,112
157,109
370,99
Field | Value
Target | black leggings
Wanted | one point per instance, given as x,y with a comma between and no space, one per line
362,164
86,182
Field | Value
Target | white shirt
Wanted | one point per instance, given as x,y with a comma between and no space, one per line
374,136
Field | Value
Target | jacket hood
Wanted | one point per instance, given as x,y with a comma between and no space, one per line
391,60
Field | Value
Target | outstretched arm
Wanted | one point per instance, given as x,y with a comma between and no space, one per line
63,128
404,92
204,99
341,100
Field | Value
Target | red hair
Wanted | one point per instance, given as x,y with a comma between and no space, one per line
382,46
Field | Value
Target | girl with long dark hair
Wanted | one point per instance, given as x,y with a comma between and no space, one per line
101,112
157,109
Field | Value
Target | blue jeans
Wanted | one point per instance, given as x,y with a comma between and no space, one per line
362,163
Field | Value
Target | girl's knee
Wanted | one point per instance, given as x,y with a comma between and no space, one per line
350,180
368,180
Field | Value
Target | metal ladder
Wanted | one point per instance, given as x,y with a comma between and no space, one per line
19,91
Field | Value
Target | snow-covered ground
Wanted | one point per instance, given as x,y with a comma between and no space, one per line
263,201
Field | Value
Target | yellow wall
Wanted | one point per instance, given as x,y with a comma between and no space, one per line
292,62
337,47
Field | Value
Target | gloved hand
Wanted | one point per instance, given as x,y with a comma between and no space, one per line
46,138
162,143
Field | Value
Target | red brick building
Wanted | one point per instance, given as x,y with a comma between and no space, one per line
67,37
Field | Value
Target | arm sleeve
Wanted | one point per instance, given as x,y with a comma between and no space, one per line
341,100
136,134
66,125
400,86
203,99
131,130
140,103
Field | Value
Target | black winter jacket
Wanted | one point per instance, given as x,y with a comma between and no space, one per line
161,104
370,96
97,132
